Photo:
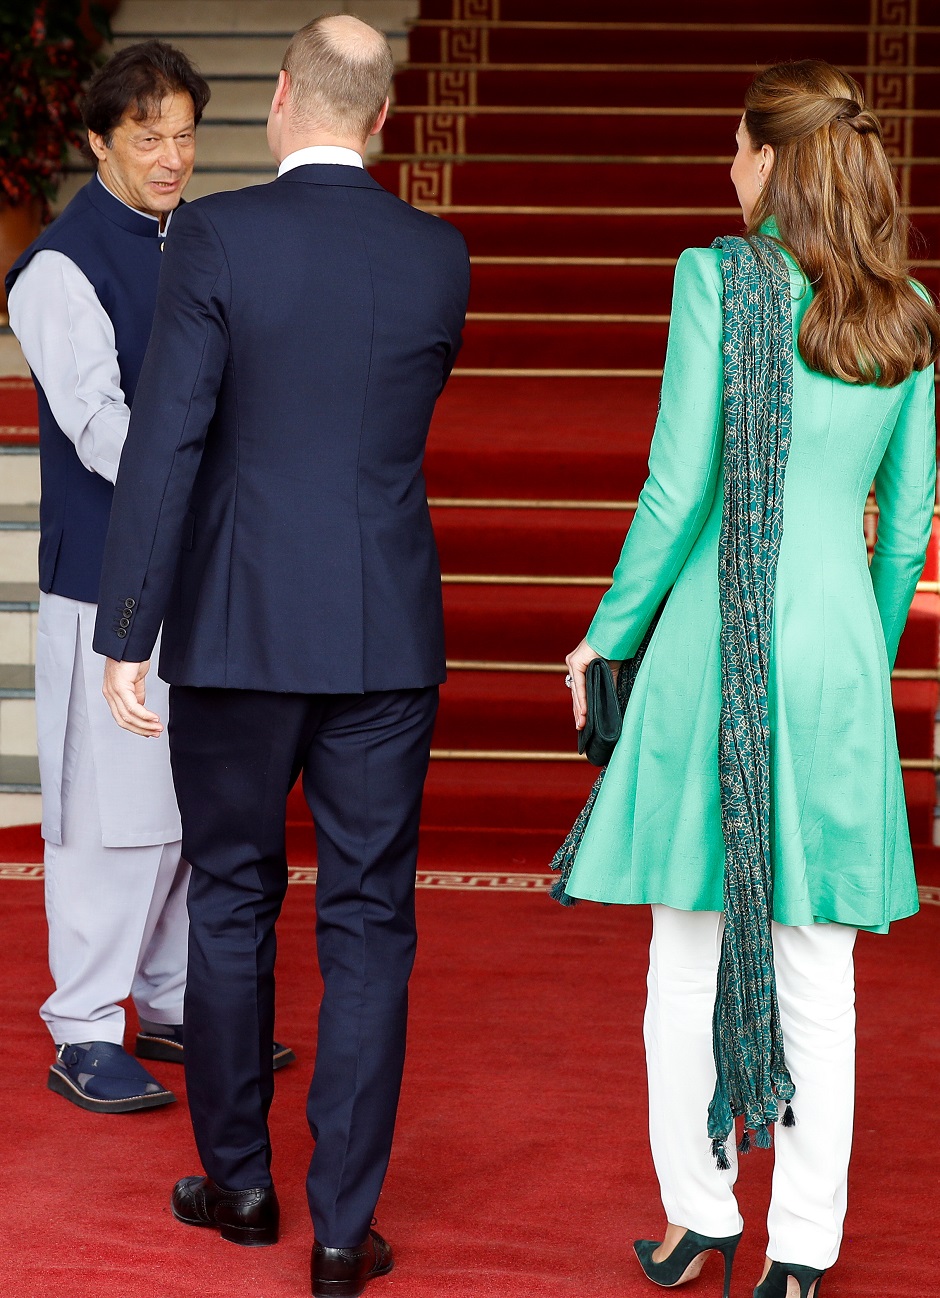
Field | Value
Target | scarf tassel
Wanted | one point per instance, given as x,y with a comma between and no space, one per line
788,1117
720,1155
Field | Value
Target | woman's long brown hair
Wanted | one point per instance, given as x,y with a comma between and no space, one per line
834,197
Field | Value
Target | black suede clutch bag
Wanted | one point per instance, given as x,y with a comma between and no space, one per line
601,731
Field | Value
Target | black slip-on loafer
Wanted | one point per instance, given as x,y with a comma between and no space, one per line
249,1217
103,1078
345,1272
166,1044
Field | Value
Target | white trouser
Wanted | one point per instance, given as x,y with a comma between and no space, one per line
816,990
116,915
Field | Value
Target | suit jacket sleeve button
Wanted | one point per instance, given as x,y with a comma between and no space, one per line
129,603
121,632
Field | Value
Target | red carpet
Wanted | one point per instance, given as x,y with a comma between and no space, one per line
579,155
520,1168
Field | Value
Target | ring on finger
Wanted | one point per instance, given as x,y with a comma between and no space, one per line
569,680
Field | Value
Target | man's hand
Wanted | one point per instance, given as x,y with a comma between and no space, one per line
126,694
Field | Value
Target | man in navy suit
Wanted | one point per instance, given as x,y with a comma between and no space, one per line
271,511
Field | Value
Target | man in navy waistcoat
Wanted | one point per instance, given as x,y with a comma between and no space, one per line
271,511
82,299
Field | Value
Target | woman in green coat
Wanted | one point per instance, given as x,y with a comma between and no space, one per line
858,398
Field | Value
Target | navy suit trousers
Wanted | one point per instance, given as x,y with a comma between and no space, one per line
364,758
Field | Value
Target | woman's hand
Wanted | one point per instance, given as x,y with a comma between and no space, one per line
577,662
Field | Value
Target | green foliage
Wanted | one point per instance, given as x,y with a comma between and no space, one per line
47,54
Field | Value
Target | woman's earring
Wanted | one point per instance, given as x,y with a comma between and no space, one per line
760,183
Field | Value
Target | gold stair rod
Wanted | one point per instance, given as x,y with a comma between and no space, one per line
626,506
537,755
513,579
479,665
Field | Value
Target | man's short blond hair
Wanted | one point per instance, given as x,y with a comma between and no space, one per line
340,72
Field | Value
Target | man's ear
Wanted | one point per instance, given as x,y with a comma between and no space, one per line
97,145
281,92
380,120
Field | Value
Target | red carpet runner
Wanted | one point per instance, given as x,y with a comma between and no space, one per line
520,1168
579,158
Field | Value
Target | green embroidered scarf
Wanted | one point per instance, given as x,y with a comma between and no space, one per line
757,346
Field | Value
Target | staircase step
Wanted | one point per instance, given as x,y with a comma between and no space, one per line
566,345
920,794
531,711
518,232
733,13
238,99
19,774
17,404
215,182
17,710
542,439
562,86
17,635
17,681
558,288
544,623
528,180
17,727
567,84
569,542
621,42
19,517
19,474
548,796
19,555
244,55
19,542
18,597
226,55
159,18
538,131
675,134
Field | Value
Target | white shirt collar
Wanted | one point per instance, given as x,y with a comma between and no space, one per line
330,153
161,233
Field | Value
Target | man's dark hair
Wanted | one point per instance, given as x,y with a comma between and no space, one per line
138,79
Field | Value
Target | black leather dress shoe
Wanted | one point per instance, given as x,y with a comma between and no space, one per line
165,1042
345,1272
241,1216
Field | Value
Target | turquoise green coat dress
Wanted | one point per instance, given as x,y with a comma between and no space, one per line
841,845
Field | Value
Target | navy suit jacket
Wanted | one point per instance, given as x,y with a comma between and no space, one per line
270,507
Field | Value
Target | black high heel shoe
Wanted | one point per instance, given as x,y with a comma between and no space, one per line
774,1283
672,1270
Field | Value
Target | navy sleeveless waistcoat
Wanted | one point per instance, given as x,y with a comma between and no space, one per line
118,251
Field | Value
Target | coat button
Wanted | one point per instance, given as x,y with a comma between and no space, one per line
121,632
129,603
125,621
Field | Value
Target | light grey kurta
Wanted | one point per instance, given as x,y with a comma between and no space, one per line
115,882
136,801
